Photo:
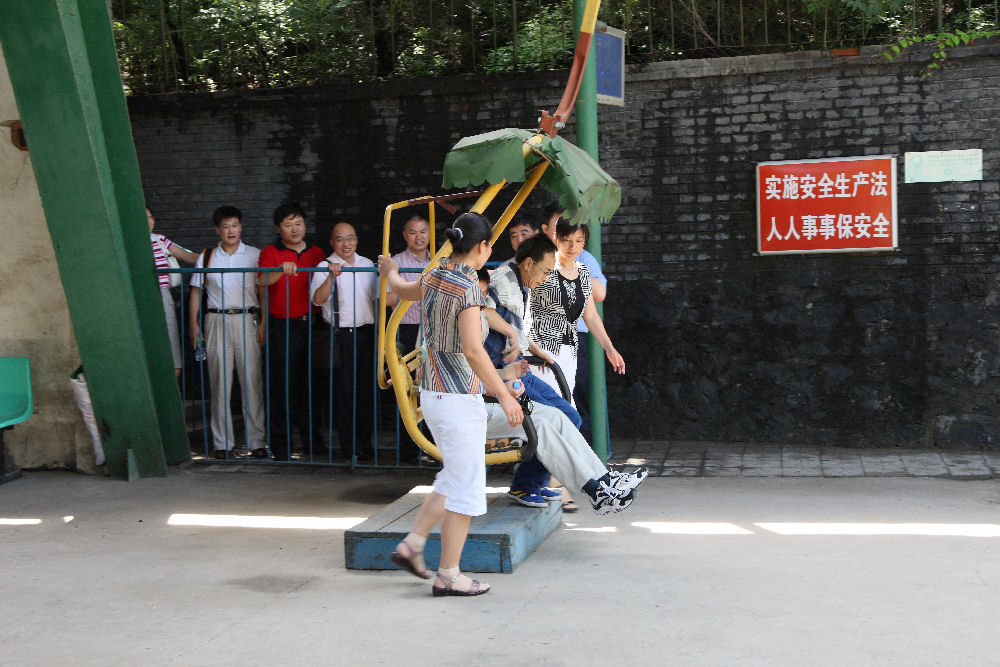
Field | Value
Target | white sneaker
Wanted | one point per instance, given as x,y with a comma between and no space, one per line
610,499
622,503
628,480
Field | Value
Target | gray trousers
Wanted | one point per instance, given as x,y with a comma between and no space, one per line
561,448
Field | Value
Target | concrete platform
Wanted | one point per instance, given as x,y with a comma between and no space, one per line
498,541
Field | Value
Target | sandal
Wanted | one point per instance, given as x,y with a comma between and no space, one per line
442,591
412,563
570,506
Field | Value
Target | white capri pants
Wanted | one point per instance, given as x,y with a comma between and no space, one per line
458,425
561,448
171,314
566,358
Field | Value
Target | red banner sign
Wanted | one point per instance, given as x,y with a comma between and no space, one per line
832,205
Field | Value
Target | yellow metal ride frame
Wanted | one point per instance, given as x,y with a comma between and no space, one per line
400,368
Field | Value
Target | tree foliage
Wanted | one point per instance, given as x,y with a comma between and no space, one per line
940,44
172,45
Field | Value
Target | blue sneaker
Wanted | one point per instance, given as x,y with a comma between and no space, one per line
551,495
526,499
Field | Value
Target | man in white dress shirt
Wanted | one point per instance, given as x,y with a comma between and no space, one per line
353,381
230,321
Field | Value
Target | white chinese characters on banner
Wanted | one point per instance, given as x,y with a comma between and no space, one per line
841,186
841,226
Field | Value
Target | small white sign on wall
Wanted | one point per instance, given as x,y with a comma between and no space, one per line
940,166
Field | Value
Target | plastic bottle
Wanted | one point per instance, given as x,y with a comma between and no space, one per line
199,349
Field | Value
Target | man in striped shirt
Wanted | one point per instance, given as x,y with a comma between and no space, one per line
417,255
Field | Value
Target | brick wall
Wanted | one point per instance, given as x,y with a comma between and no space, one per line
859,349
343,154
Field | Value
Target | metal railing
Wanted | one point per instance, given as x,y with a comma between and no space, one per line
318,442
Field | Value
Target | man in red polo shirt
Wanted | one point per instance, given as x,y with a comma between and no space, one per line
286,331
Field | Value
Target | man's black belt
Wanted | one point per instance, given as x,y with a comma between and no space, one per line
234,311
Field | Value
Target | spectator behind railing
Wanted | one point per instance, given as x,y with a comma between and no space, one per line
416,232
522,227
287,331
353,319
162,248
231,321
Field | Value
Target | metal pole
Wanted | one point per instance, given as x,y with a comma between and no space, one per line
586,138
513,9
694,24
68,88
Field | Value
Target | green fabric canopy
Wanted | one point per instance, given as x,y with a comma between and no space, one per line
585,190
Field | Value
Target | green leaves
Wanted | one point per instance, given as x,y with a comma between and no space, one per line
174,45
940,42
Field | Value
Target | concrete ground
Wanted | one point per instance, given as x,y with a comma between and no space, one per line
740,570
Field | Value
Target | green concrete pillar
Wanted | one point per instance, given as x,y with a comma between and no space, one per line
586,138
64,70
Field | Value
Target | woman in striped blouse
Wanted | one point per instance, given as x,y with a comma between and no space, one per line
560,301
455,365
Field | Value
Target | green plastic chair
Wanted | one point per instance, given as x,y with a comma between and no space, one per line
16,402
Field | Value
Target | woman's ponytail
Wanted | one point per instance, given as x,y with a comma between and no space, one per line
468,231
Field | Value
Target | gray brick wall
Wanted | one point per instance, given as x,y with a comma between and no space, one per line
861,350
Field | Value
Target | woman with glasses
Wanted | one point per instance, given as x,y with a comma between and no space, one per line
509,286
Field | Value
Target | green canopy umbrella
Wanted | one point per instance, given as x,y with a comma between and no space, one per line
585,190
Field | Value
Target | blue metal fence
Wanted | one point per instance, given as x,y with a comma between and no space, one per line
318,442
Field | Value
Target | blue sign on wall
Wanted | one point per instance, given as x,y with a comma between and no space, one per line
609,52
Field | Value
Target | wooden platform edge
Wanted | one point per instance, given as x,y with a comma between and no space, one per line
498,541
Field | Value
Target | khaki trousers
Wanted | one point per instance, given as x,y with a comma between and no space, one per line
231,344
561,448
